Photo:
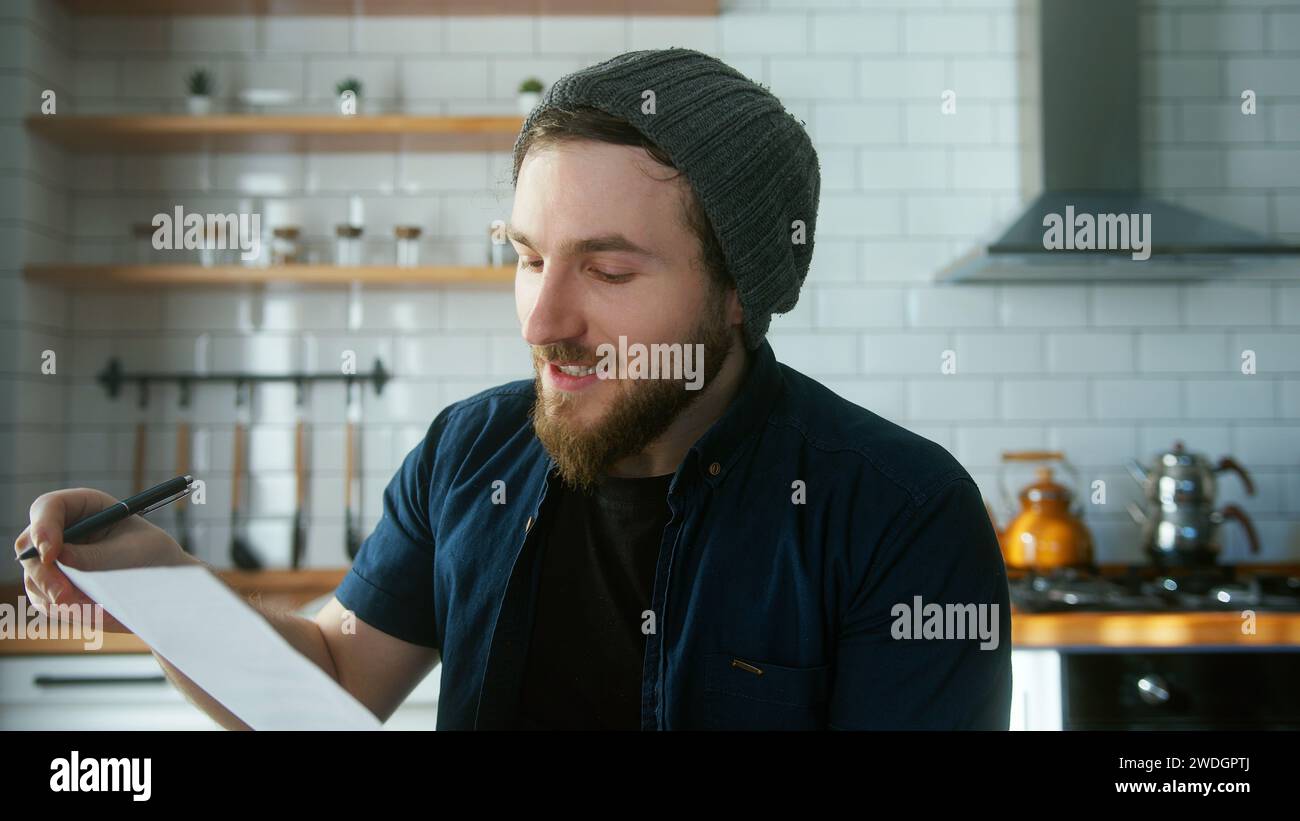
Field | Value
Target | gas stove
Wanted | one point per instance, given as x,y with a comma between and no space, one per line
1220,588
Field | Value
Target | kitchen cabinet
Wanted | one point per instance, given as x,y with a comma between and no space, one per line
92,692
128,691
1036,690
53,684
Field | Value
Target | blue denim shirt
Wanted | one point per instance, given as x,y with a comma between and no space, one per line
801,524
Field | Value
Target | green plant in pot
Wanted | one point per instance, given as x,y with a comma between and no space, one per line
530,94
349,92
200,85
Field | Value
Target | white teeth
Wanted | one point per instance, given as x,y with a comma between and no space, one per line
577,370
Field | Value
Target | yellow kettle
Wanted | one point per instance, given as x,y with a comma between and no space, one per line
1047,533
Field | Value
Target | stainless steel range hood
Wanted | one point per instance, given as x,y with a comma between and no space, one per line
1079,80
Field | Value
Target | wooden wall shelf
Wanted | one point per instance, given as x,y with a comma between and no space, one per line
151,133
389,7
182,275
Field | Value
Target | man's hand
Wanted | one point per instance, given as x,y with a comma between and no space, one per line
132,542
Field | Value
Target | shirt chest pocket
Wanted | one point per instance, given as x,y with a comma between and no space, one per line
747,694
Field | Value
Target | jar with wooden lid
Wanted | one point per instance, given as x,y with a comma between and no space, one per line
142,250
210,251
286,247
408,245
347,245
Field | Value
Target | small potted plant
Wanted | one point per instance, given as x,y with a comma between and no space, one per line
530,94
200,86
349,91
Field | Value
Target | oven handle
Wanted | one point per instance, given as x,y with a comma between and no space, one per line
1153,689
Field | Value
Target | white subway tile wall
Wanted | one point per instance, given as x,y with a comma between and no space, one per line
1105,372
34,199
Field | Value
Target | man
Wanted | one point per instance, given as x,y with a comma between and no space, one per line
735,547
656,556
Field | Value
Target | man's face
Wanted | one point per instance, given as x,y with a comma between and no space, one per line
604,252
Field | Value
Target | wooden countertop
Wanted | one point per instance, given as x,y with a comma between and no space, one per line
292,589
279,589
1153,630
1099,630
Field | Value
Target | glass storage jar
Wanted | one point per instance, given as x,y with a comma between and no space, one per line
347,245
286,248
408,245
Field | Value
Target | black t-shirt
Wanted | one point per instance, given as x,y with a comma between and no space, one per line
597,578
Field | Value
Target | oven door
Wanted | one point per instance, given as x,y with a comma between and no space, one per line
1224,690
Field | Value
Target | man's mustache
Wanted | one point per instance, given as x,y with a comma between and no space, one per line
563,355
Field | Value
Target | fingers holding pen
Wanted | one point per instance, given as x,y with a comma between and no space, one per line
50,582
36,595
44,581
51,512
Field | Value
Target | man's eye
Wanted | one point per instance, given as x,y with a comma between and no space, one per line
536,265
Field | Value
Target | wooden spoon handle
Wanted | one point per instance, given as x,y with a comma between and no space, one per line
300,463
137,468
348,467
182,455
237,482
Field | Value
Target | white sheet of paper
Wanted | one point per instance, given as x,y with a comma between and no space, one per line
225,646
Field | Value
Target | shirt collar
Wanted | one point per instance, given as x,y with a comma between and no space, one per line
723,443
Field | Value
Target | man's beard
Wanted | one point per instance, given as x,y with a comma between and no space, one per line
641,411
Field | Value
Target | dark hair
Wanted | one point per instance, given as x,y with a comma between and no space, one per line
557,124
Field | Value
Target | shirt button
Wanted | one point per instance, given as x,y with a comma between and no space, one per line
715,469
529,525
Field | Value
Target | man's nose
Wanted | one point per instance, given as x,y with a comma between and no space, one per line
556,313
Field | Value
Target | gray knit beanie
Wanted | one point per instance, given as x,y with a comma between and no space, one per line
750,161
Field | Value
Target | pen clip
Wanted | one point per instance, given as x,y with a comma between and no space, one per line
188,489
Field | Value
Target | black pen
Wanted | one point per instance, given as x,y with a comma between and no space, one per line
142,503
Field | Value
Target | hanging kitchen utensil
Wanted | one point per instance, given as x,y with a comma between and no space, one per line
1180,523
1047,532
241,549
352,475
181,507
141,434
300,480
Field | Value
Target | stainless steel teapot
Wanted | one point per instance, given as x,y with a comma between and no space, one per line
1179,520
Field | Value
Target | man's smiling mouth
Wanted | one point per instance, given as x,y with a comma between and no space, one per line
576,370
